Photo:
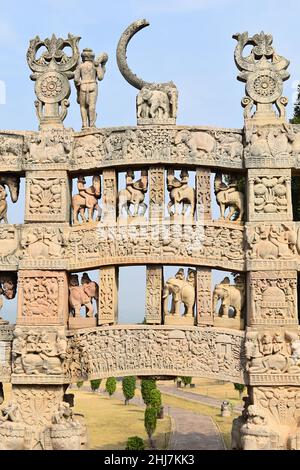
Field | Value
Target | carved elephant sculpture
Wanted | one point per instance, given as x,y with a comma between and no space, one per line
230,296
196,141
181,291
39,364
152,104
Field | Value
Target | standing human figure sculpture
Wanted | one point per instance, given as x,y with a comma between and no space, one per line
3,204
86,75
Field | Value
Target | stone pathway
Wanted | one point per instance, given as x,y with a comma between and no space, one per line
204,399
192,431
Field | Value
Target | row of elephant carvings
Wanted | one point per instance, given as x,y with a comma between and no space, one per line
182,197
227,299
137,144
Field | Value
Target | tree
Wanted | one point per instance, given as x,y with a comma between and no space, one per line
155,399
95,384
111,385
186,380
240,388
128,387
150,423
147,384
135,443
79,384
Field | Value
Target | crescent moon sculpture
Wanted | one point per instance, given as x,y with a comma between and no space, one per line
125,70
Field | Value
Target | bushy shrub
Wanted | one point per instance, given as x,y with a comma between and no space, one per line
135,443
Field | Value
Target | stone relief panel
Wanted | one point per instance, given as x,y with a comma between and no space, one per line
154,283
51,149
203,194
5,361
39,417
42,298
159,144
43,247
272,246
273,357
10,249
47,198
108,296
272,298
269,195
204,296
156,103
11,151
156,193
272,146
38,354
136,350
215,244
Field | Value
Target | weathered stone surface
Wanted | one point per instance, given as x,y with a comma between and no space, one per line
155,350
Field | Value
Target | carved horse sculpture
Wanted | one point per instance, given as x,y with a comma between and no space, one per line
134,195
87,199
229,197
180,193
82,295
13,185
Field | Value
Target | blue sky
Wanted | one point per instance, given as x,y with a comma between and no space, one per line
188,41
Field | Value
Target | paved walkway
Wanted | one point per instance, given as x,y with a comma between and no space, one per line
204,399
192,431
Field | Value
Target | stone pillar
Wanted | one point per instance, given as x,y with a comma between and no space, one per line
156,194
205,314
47,196
203,195
154,287
108,296
110,195
269,420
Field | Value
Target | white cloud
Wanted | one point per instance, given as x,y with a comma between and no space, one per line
179,6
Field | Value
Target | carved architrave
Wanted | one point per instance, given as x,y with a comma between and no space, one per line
38,354
154,283
108,296
110,192
203,194
203,297
155,350
269,195
156,193
47,197
272,298
42,298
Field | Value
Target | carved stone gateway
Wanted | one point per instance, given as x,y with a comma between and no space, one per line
82,215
